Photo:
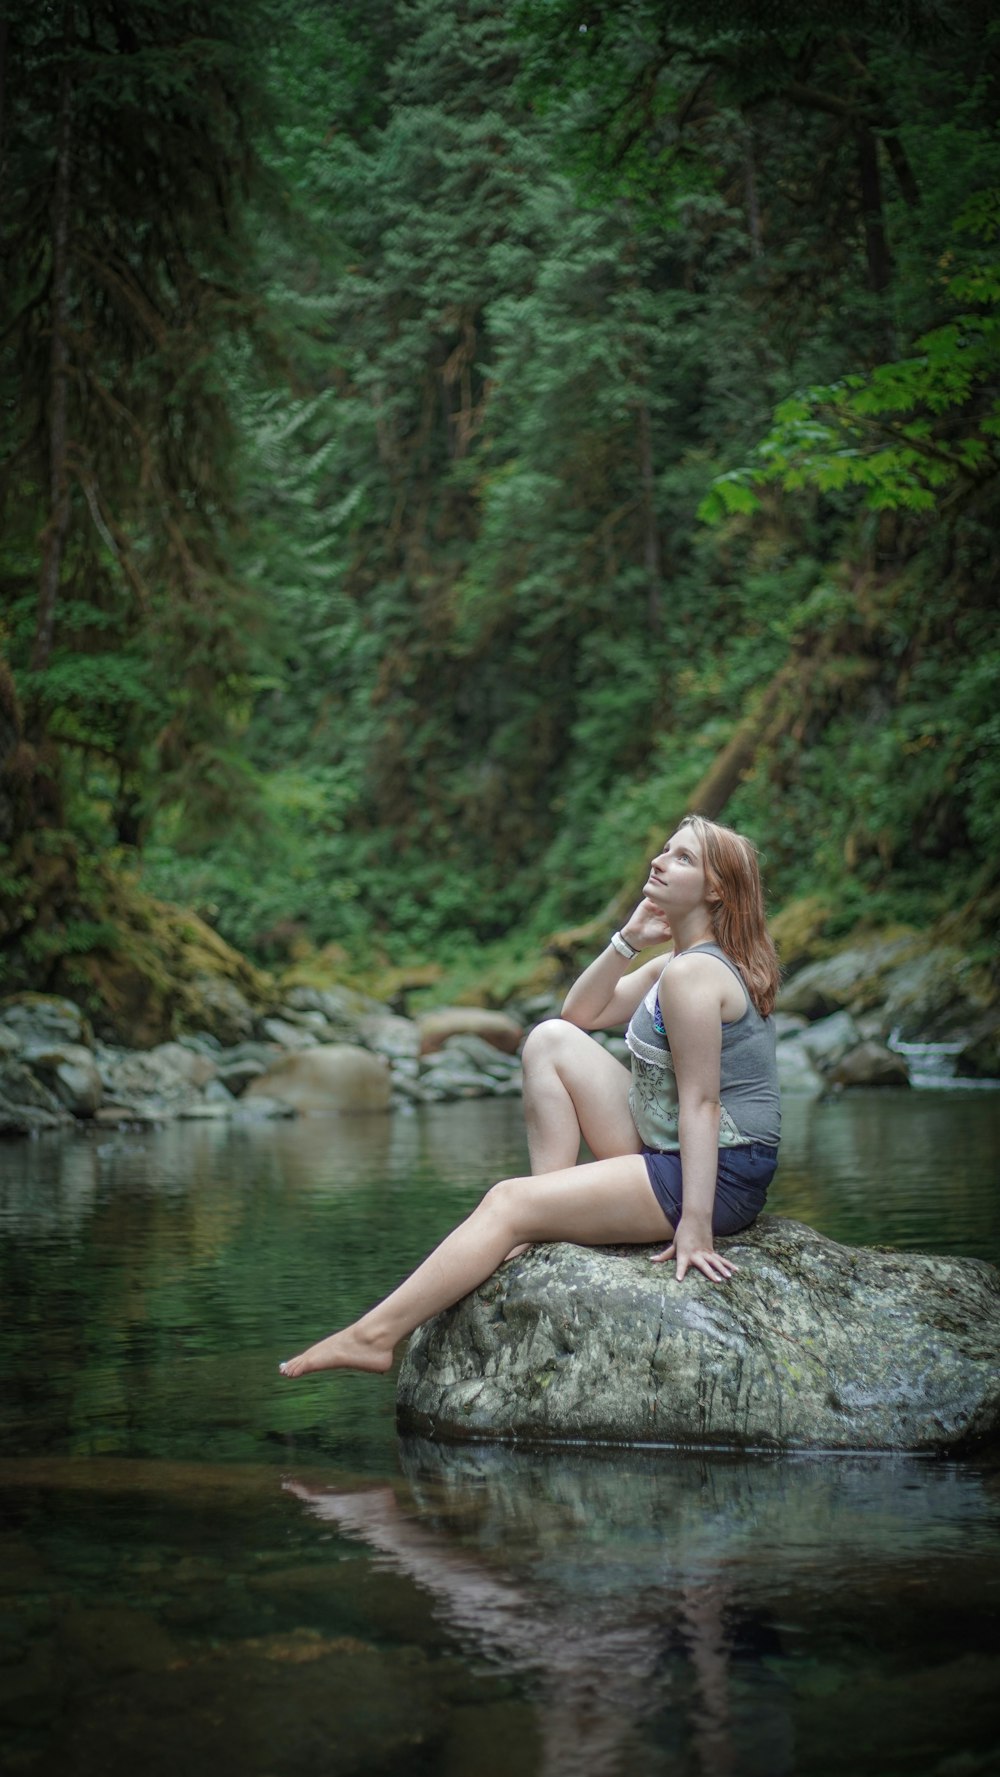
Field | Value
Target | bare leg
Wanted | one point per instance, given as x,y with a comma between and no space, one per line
573,1088
606,1201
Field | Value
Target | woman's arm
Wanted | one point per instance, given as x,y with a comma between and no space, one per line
604,995
691,1004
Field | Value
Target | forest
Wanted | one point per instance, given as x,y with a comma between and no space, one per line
445,441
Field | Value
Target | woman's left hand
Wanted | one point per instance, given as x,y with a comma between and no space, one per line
695,1248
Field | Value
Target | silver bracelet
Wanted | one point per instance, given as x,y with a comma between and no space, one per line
623,947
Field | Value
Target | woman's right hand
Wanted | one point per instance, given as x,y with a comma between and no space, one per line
645,926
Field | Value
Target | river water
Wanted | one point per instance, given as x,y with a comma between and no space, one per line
204,1569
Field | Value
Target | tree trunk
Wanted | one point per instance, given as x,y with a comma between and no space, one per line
876,241
53,538
10,741
651,533
752,200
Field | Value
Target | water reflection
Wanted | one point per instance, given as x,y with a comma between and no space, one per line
659,1599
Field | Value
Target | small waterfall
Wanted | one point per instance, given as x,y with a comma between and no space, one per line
933,1065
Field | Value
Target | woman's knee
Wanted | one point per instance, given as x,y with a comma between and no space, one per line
507,1200
553,1038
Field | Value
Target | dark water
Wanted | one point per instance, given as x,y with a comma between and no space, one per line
203,1569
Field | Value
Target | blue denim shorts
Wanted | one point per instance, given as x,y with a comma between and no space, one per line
740,1187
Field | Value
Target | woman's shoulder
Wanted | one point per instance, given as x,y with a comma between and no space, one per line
703,973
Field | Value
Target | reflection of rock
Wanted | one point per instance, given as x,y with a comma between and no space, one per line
688,1510
812,1345
334,1078
497,1028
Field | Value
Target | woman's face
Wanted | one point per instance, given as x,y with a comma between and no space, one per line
676,880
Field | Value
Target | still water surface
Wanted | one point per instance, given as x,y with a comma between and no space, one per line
206,1570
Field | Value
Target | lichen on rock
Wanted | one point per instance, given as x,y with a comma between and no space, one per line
811,1345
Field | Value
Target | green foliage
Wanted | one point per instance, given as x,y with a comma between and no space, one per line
388,616
125,182
906,432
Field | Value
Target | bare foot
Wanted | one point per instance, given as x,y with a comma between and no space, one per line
341,1351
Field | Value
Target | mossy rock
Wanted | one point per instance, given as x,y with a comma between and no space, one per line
166,973
811,1345
798,931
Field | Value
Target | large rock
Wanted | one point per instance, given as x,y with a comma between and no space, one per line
826,1041
810,1346
484,1056
223,1009
497,1028
339,1005
334,1078
871,1064
186,1064
41,1020
72,1073
797,1076
850,977
398,1039
26,1105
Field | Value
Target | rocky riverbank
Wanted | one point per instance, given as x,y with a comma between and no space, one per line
872,1015
318,1051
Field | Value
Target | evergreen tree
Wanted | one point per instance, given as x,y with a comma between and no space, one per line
126,161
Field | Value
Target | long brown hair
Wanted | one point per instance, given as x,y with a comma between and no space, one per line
736,905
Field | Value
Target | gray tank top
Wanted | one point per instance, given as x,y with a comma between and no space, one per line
751,1104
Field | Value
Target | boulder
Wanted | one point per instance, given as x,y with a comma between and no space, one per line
484,1056
27,1119
71,1072
236,1067
796,1075
979,1057
871,1064
224,1011
287,1036
943,996
314,1021
811,1345
260,1109
452,1080
19,1085
390,1035
189,1065
852,975
827,1040
496,1028
43,1020
339,1005
237,1075
336,1078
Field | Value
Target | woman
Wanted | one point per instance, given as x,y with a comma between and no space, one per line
685,1149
